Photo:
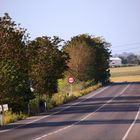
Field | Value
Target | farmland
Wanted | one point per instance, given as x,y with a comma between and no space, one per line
125,74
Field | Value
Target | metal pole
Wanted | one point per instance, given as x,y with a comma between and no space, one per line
1,120
28,109
71,88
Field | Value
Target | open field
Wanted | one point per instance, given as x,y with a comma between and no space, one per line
123,74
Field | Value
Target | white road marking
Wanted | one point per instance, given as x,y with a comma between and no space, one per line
84,118
129,129
46,116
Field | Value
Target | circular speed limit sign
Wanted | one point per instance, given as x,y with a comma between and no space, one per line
71,80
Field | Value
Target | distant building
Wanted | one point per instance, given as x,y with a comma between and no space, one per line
115,61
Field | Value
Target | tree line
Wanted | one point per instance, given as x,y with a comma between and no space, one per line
130,59
38,64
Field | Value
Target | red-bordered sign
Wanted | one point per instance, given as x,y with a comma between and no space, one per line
71,80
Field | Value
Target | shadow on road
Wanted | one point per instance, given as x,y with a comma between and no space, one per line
125,83
123,103
84,122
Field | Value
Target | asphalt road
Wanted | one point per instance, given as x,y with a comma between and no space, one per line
110,113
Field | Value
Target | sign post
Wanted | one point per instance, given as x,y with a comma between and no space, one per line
3,108
1,119
71,80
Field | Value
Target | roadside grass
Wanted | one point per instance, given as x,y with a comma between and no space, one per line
61,98
64,95
10,117
125,74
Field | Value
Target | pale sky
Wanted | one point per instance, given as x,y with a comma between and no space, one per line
118,21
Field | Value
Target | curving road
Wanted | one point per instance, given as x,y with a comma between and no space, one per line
110,113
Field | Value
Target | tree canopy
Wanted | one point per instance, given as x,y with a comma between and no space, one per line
14,85
38,64
47,64
89,58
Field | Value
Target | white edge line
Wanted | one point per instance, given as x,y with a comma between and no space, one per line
46,116
84,118
129,129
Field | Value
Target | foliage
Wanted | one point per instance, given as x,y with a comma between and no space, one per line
47,64
14,85
90,89
34,106
100,61
133,59
61,98
10,117
64,86
130,58
79,52
58,99
38,64
89,58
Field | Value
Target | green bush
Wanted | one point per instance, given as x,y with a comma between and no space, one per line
65,87
61,98
34,106
70,97
48,102
58,99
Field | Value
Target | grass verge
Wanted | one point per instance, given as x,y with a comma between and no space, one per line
56,100
61,98
10,117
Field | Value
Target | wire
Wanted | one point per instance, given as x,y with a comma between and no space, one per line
126,48
130,44
130,47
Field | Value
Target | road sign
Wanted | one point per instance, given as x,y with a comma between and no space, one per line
71,80
5,107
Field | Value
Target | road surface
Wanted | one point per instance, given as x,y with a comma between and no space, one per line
110,113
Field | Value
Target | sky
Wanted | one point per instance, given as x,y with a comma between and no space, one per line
118,21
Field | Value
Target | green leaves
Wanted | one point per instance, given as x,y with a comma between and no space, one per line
41,62
47,64
14,83
89,58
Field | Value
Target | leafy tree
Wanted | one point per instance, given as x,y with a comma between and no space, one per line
47,64
14,85
100,61
132,59
129,58
124,60
89,58
79,52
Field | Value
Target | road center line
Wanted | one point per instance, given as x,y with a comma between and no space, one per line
131,126
46,116
84,118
